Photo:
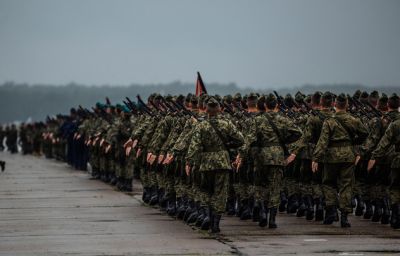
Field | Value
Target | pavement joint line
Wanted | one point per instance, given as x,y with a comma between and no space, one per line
315,240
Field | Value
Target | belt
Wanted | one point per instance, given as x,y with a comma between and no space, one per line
336,144
270,144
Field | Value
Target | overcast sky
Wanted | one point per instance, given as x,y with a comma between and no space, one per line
252,43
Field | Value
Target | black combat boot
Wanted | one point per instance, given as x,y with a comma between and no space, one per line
201,216
144,194
207,220
263,214
230,206
319,209
162,199
180,212
360,206
368,210
378,211
255,210
191,208
113,179
393,217
108,178
330,215
216,218
120,184
154,196
272,217
128,185
344,222
245,212
193,217
395,223
309,208
171,206
386,211
284,201
293,204
301,211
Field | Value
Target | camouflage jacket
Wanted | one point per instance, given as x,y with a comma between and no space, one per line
208,149
306,144
391,138
269,143
335,144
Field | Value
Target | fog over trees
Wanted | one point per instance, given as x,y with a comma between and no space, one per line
19,102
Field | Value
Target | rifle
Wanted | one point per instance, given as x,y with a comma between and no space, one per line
103,115
144,108
285,109
360,107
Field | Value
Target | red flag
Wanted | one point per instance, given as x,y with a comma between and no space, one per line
200,88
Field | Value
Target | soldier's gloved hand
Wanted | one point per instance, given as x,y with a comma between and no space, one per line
78,136
168,159
357,160
314,166
290,159
188,169
371,164
102,142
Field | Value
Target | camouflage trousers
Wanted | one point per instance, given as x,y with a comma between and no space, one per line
215,185
129,166
310,182
268,184
337,184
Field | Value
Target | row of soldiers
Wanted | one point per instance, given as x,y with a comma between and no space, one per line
199,157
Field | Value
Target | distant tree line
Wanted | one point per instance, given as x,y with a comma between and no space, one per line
22,101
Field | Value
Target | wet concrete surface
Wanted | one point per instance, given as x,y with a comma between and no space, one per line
46,208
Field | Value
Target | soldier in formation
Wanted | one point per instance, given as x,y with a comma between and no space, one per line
319,156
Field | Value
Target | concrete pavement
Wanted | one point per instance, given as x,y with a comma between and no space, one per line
46,208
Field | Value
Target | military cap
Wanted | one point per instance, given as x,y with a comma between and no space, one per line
158,96
194,99
237,97
252,96
341,98
308,98
316,97
374,95
228,99
168,97
212,102
180,98
394,101
188,97
270,98
289,100
218,98
382,102
299,97
364,97
357,94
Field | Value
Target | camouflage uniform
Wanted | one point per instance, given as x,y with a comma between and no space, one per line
335,150
209,152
